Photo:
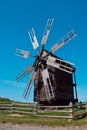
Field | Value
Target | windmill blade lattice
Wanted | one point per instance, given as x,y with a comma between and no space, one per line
47,31
47,84
25,72
33,39
63,41
29,86
22,53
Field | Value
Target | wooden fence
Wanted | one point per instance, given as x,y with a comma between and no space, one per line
80,110
71,112
25,108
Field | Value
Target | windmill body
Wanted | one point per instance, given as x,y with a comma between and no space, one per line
53,78
63,82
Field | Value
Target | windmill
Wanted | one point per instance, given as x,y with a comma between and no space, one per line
52,77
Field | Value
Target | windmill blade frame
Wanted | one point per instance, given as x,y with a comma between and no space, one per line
33,39
47,84
63,41
28,87
24,73
22,53
47,31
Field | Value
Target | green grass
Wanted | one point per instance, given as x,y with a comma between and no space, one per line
6,117
53,113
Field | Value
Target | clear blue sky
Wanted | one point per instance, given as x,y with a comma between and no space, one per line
18,16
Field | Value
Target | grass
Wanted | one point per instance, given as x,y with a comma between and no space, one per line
6,117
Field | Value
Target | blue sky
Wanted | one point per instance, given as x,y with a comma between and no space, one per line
18,16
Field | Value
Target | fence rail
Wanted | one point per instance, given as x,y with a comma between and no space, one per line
71,112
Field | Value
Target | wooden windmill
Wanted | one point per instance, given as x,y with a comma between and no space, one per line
53,78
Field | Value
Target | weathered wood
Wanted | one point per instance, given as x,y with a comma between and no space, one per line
71,110
26,105
22,112
53,106
4,107
65,111
62,84
36,110
21,108
67,117
86,106
12,107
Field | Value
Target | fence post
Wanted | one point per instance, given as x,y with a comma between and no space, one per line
80,105
71,110
86,106
12,108
35,109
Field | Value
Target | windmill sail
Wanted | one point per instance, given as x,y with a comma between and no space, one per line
47,31
47,84
33,39
29,86
63,41
24,73
22,53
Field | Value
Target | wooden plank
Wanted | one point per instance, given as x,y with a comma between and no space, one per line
67,117
5,107
57,111
19,108
27,105
21,112
5,104
53,106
